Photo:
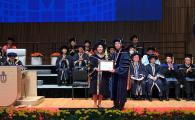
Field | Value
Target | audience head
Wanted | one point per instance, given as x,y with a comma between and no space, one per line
64,50
151,50
135,57
188,59
111,50
152,58
169,57
131,49
10,41
72,42
134,39
12,56
81,49
87,43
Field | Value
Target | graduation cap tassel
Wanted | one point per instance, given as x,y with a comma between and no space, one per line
173,59
192,60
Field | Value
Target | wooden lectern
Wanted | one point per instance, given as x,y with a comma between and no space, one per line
10,85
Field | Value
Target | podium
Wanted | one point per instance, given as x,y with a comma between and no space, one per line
10,85
18,87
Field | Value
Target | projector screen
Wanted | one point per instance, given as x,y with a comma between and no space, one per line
80,10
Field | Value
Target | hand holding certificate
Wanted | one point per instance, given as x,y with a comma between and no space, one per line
105,65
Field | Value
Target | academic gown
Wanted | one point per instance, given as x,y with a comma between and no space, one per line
2,60
15,63
104,78
135,85
119,78
64,68
171,77
151,83
189,80
83,63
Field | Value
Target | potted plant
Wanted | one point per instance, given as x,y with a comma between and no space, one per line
54,57
36,58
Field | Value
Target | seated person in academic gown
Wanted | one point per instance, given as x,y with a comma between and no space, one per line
81,58
154,77
150,51
12,60
2,58
137,44
137,73
64,65
87,48
171,73
131,49
188,73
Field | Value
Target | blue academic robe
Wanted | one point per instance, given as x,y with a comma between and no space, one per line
151,83
134,83
119,78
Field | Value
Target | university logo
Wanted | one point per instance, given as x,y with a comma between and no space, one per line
3,77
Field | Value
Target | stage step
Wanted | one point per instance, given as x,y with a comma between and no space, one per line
43,71
57,87
30,101
47,75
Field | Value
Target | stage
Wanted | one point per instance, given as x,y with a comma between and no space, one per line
155,105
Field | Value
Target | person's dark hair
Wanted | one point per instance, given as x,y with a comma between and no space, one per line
80,46
132,37
100,42
72,39
87,41
11,38
63,47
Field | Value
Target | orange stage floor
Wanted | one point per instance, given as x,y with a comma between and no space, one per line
155,105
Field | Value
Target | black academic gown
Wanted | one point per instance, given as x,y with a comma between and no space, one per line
15,63
2,60
188,79
139,48
119,78
104,79
64,69
83,63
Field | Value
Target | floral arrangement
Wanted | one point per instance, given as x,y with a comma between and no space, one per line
36,54
55,54
91,114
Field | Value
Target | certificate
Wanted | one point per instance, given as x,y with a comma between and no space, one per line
106,65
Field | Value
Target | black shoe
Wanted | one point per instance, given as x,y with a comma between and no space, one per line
188,98
150,99
121,106
167,99
160,98
177,98
115,105
142,97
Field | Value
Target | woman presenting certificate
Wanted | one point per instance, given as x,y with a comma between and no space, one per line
99,84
